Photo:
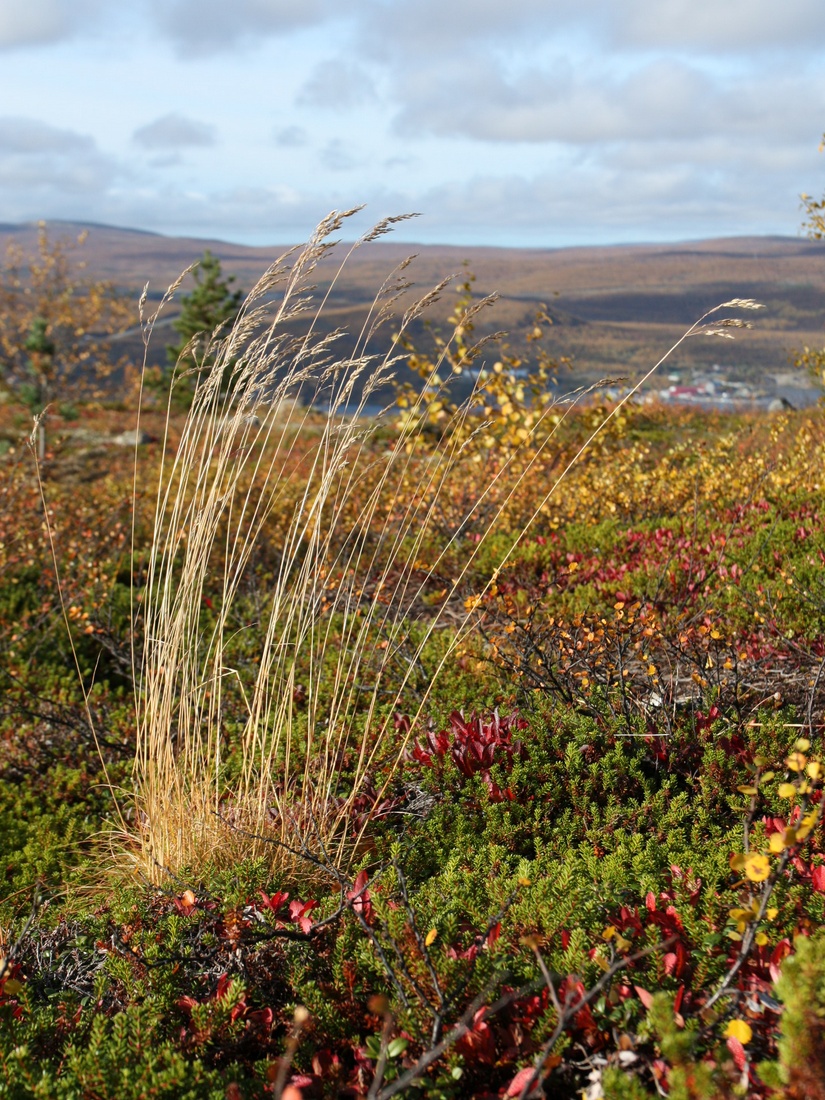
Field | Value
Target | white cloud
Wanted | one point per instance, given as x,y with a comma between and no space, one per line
339,156
37,22
291,137
338,84
417,27
660,100
174,131
537,119
23,23
45,170
734,26
211,26
30,137
263,215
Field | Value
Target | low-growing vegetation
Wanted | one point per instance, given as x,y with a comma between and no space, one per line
474,750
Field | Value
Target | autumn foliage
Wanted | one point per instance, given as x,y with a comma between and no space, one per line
549,818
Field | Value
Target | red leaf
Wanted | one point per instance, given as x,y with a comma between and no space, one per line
261,1018
818,878
298,913
276,902
644,996
422,757
519,1081
738,1052
675,961
359,895
780,952
478,1044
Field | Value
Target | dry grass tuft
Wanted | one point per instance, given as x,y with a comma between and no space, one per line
336,614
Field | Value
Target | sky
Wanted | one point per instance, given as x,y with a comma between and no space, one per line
540,123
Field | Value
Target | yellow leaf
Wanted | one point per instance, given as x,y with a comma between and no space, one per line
786,790
736,861
767,777
814,769
803,744
747,790
757,867
796,761
771,913
760,939
431,937
12,987
738,1029
777,844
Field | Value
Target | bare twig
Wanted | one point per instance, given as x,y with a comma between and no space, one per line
572,1007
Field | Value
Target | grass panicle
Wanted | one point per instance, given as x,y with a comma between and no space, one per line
347,580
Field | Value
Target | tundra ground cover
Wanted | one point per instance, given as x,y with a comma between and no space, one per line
593,867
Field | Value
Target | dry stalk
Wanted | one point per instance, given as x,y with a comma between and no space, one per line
356,514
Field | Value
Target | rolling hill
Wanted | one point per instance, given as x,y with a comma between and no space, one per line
615,309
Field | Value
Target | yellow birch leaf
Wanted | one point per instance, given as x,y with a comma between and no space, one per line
757,867
431,937
786,790
738,1029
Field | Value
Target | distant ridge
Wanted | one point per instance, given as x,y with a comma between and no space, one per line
615,308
